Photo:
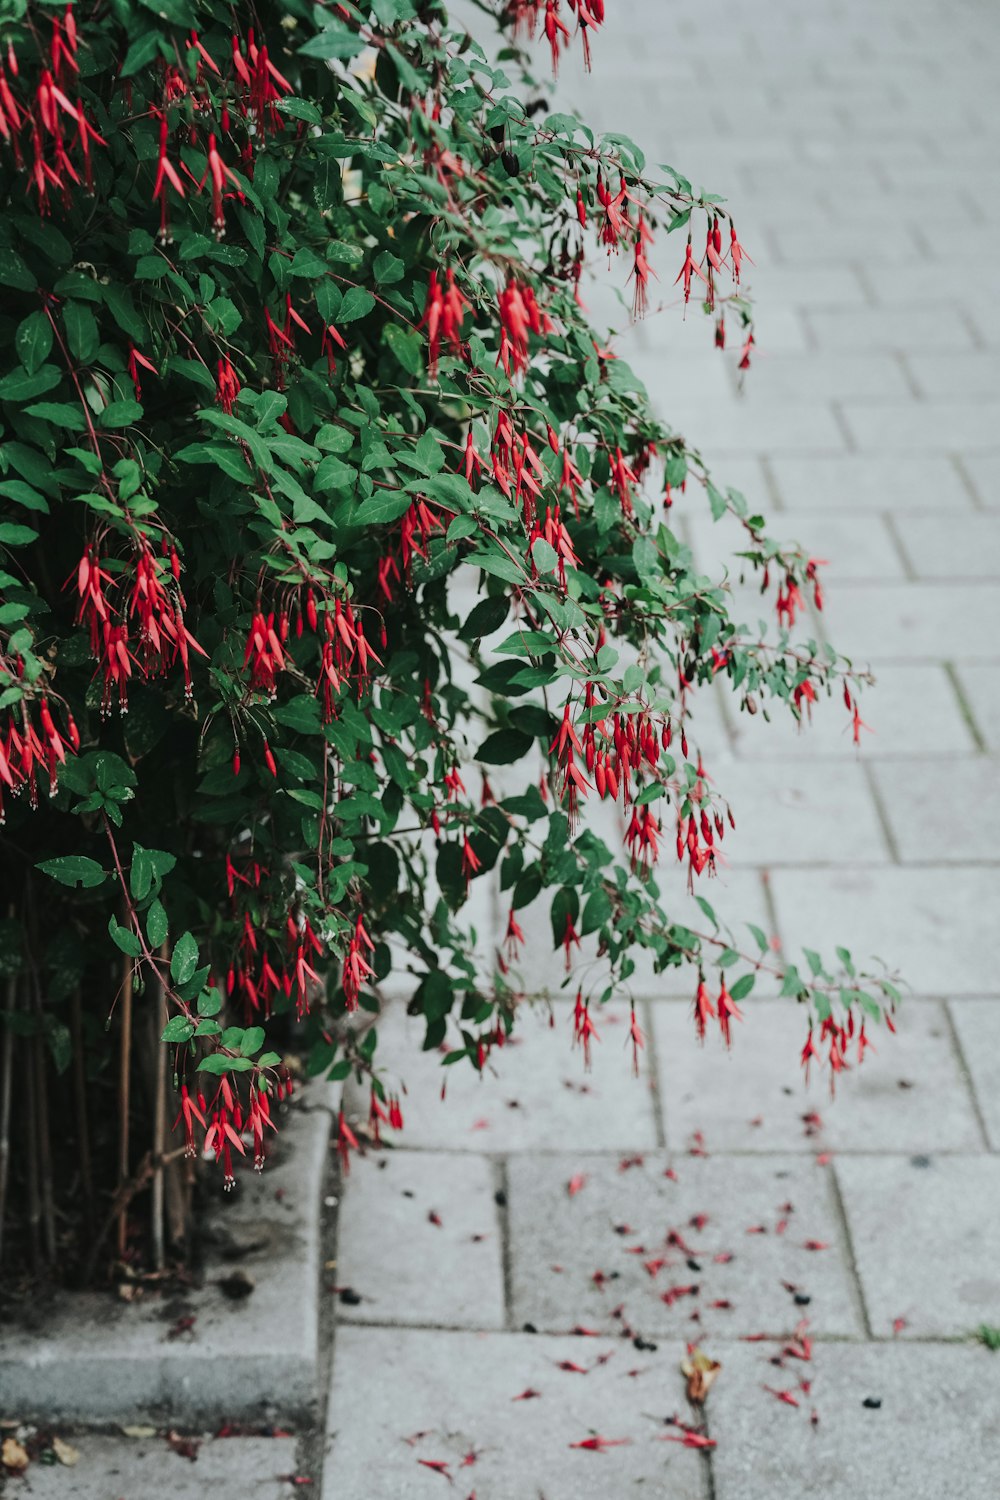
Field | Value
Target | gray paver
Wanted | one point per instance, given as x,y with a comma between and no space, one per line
930,426
935,1430
854,547
402,1397
915,621
800,812
123,1468
977,1023
908,1095
534,1094
269,1227
968,547
419,1240
972,375
925,1231
950,816
912,710
559,1240
890,329
872,482
926,923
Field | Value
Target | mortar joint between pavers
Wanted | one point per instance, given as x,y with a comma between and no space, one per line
658,1098
501,1200
965,707
966,1075
881,812
843,1225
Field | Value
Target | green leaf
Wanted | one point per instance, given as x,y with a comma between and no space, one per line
335,41
33,341
743,986
14,535
124,938
253,1040
156,925
388,268
74,870
209,1002
357,303
140,877
178,1029
120,413
82,334
19,385
504,747
184,959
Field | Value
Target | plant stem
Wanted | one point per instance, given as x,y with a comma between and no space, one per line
31,1120
80,1106
6,1088
158,1020
124,1079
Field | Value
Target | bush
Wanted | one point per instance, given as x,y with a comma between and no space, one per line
296,359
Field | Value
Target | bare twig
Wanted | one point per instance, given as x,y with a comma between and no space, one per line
6,1089
124,1082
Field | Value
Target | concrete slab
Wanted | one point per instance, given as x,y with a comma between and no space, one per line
404,1401
110,1467
931,1415
925,1231
419,1241
950,816
561,1240
268,1228
536,1093
924,923
909,1095
977,1024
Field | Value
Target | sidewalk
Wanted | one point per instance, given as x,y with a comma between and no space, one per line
528,1223
519,1277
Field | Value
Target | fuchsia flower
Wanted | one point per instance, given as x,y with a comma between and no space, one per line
689,269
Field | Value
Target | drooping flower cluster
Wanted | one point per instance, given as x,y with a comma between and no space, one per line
145,589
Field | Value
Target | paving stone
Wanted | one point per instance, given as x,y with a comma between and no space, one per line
951,818
801,286
928,426
853,547
808,377
926,923
419,1240
786,333
977,1024
950,375
910,710
123,1468
874,482
981,690
889,329
983,470
799,812
915,621
909,1094
936,1420
732,426
404,1399
270,1228
968,547
534,1095
559,1241
925,1231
